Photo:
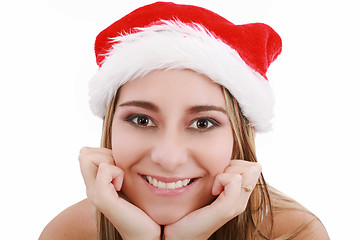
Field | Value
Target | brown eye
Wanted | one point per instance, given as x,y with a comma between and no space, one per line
203,124
140,120
143,121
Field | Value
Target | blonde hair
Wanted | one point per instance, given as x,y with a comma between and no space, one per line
264,200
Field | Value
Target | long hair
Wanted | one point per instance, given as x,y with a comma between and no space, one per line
263,201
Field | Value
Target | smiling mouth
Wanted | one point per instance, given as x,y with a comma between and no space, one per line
169,185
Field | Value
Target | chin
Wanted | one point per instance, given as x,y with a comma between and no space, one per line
166,217
166,213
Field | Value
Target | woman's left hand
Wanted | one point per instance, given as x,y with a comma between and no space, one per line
231,201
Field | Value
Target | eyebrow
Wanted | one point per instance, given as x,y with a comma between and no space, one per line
205,108
191,110
142,104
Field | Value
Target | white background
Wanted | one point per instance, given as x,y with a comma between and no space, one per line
46,60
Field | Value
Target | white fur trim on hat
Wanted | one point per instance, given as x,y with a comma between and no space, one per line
174,45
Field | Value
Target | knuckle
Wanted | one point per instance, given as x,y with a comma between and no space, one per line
238,178
256,167
121,172
81,158
83,151
108,159
103,166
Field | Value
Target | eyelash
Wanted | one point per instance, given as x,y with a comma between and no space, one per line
135,118
132,120
213,123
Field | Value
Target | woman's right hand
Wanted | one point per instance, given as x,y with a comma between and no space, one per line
103,180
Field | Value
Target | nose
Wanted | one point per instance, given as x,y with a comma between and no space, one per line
169,152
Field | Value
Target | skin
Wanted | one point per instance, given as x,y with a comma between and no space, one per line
171,144
186,136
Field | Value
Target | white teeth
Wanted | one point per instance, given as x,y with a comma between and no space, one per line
161,185
185,182
155,182
178,184
170,185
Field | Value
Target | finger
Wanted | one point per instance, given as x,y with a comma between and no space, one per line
242,167
208,219
233,200
118,181
227,183
217,188
90,159
110,174
104,193
96,155
250,171
95,150
88,171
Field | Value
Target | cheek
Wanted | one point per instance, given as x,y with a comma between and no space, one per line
215,153
125,146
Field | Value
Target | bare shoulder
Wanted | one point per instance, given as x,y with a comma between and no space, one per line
76,222
300,224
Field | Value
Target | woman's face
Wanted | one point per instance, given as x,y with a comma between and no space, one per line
171,135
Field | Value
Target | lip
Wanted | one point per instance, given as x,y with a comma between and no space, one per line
169,192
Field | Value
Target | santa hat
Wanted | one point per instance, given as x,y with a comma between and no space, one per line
165,35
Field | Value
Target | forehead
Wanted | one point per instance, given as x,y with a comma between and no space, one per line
184,86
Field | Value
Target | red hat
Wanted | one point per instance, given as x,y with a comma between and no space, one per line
165,35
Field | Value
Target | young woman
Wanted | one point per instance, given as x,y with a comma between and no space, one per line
182,92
